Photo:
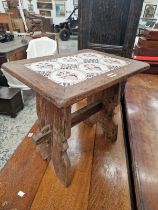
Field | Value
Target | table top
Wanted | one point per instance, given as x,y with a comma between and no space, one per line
67,79
13,45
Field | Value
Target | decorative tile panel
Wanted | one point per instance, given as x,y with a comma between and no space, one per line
71,70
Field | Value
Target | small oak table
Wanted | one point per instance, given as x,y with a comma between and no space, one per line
61,81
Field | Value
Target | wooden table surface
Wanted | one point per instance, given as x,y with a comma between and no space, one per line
64,96
141,98
8,47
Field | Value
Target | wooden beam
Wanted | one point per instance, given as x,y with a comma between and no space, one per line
85,113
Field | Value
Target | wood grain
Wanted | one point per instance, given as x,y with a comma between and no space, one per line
85,112
100,175
65,96
54,146
142,111
108,116
104,18
23,172
52,195
109,180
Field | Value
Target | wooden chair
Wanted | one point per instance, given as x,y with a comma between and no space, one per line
6,19
34,22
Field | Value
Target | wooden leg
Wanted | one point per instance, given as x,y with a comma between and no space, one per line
94,118
43,120
59,146
110,100
56,124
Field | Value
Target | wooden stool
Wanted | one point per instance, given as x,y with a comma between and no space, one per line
56,95
10,101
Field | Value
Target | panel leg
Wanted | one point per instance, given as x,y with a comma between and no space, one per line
54,145
59,146
108,115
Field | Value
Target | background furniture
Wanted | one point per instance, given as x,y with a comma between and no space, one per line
43,46
13,8
37,22
40,47
110,25
147,43
153,61
5,19
11,51
34,22
18,25
10,101
45,7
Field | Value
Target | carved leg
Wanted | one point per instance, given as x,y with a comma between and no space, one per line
111,99
55,129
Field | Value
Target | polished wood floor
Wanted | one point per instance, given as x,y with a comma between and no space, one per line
99,168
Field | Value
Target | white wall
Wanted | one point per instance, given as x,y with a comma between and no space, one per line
68,7
56,20
1,7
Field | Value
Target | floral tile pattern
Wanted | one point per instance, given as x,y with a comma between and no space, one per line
71,70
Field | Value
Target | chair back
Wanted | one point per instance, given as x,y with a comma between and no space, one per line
40,47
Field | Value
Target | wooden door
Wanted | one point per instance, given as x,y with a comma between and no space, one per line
109,25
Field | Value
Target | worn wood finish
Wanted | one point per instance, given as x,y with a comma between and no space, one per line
109,188
52,194
54,107
108,116
141,101
132,25
113,17
85,112
84,23
100,175
23,172
65,96
110,25
60,121
110,99
102,165
55,145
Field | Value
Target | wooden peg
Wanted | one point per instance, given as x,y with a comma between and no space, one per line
38,138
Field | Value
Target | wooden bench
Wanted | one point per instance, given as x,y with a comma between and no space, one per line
141,101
